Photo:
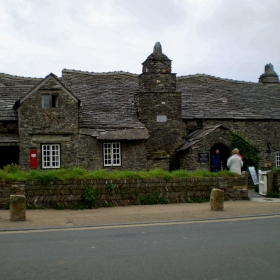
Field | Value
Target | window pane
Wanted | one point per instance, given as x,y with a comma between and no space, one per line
54,101
277,159
51,156
45,101
112,154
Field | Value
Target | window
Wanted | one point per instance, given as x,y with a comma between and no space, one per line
51,156
45,101
277,159
112,154
50,101
54,101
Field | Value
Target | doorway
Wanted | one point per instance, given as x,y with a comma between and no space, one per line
9,155
224,153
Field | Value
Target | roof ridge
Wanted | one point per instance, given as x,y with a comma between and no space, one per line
99,73
15,76
218,78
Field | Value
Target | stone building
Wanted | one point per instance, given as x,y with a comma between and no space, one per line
119,120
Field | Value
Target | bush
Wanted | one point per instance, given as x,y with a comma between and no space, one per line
13,173
153,199
247,150
273,194
89,197
11,168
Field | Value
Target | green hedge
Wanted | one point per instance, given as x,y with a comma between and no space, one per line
14,173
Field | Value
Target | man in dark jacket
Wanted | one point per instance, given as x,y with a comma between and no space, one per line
216,162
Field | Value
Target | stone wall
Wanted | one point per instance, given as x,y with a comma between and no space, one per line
90,154
9,127
119,192
189,159
8,188
53,125
164,135
259,134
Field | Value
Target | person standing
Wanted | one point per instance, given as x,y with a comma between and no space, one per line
216,162
234,163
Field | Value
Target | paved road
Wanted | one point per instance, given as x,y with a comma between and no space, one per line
221,249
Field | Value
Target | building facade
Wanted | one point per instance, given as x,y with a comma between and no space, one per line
119,120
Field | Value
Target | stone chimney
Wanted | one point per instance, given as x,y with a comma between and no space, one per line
269,76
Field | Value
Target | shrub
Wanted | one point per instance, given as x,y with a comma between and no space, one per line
89,197
249,153
273,194
153,199
11,168
13,172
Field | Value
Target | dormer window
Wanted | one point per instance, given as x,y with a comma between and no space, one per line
49,101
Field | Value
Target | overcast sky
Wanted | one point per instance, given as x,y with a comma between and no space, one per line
226,38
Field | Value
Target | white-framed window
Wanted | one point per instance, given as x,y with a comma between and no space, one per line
51,156
112,154
277,159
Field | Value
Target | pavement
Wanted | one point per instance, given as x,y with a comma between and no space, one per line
143,214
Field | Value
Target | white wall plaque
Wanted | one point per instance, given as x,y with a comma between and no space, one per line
161,118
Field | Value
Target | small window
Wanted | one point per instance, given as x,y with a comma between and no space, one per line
277,159
45,101
50,101
54,101
51,156
112,154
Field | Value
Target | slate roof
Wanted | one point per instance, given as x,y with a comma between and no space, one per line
107,99
208,97
45,80
121,134
13,88
198,135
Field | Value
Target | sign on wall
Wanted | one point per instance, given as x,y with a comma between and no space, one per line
203,157
253,175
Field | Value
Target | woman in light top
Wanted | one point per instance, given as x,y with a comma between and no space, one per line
234,163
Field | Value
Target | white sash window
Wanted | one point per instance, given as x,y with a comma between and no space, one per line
51,156
112,154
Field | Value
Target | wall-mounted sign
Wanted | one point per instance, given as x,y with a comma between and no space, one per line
203,157
161,118
253,174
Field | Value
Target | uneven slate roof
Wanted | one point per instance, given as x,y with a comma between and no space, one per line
43,81
198,135
208,97
13,88
107,99
121,134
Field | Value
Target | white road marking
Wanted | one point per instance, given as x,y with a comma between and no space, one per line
138,225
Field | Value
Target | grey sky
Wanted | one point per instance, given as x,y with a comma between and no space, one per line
227,38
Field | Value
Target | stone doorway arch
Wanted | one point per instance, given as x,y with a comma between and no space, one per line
224,153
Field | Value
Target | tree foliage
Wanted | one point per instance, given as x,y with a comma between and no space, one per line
248,152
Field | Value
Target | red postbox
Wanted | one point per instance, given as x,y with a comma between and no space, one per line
33,158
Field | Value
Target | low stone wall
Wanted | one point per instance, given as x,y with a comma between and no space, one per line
120,192
8,188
